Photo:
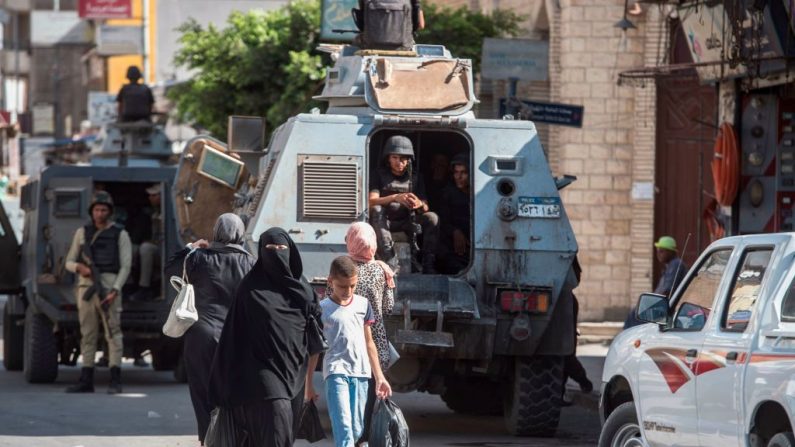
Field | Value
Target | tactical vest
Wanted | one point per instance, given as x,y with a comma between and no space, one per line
104,251
136,103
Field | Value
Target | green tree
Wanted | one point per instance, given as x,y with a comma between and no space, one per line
266,63
462,31
261,64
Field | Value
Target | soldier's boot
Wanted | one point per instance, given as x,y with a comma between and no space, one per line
115,380
86,383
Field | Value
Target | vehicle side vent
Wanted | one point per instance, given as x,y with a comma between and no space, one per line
330,188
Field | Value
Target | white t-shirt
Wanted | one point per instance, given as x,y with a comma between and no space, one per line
343,327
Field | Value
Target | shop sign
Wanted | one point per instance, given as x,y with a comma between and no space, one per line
105,9
550,113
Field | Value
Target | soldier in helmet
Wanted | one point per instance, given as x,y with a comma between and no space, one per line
101,255
398,203
135,99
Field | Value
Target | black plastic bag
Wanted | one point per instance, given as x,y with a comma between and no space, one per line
388,428
222,431
309,427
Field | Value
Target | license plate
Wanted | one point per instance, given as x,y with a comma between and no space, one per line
539,207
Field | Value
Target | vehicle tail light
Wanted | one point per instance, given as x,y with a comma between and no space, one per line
535,301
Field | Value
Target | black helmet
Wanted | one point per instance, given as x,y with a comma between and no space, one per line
101,198
133,73
398,145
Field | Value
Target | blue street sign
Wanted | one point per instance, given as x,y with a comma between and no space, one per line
546,112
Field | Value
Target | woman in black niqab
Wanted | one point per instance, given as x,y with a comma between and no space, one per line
260,364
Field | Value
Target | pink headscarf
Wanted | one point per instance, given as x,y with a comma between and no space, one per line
362,244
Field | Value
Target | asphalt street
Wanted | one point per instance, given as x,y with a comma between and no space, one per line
155,411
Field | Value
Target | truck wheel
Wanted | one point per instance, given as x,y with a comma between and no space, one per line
533,399
13,341
621,429
785,439
41,352
472,396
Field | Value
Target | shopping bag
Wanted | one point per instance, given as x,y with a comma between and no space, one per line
221,432
309,427
388,428
183,310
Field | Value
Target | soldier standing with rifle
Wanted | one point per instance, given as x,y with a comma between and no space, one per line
397,203
101,254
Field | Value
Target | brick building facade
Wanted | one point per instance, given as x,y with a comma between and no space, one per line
614,150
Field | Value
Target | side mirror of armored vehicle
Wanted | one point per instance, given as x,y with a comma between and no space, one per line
246,138
652,308
9,266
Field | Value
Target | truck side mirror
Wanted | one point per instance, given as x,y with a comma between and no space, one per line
245,133
652,308
246,138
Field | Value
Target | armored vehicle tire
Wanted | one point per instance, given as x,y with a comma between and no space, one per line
41,350
533,397
477,396
785,439
621,428
13,342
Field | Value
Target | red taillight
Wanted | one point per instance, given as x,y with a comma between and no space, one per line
516,301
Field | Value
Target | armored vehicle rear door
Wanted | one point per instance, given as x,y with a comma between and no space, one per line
9,262
208,177
67,199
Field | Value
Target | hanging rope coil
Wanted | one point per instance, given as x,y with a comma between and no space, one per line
726,165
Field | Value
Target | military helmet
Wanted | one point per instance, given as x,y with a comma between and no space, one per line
134,73
101,198
398,145
460,159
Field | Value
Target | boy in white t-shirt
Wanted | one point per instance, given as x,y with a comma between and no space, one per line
351,357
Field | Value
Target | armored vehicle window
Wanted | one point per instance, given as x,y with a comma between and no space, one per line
220,167
695,304
745,291
68,203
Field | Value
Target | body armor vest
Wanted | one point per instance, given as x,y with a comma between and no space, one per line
104,251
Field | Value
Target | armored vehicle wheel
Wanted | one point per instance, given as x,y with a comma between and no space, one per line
13,342
533,398
41,352
476,396
621,428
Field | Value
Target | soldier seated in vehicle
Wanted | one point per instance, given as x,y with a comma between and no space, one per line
397,203
149,249
454,217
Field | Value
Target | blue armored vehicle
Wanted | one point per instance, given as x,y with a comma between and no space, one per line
489,333
131,161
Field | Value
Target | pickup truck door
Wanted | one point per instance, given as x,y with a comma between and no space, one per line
666,389
727,342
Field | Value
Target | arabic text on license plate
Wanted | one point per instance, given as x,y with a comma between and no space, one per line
539,207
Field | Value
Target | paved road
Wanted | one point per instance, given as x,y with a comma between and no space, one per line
155,411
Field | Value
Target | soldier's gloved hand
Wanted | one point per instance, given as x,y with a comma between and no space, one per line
109,299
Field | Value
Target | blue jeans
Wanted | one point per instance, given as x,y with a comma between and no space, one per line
346,397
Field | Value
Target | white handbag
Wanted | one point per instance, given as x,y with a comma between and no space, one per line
183,311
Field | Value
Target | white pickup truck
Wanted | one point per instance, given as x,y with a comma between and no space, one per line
717,365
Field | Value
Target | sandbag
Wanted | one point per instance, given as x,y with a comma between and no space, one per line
388,428
308,426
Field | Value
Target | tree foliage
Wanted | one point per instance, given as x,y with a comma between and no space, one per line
266,63
261,64
462,31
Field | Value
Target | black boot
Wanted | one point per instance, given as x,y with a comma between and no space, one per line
115,380
86,383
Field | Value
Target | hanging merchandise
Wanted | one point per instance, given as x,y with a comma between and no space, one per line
726,165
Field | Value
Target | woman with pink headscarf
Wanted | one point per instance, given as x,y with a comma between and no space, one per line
377,284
